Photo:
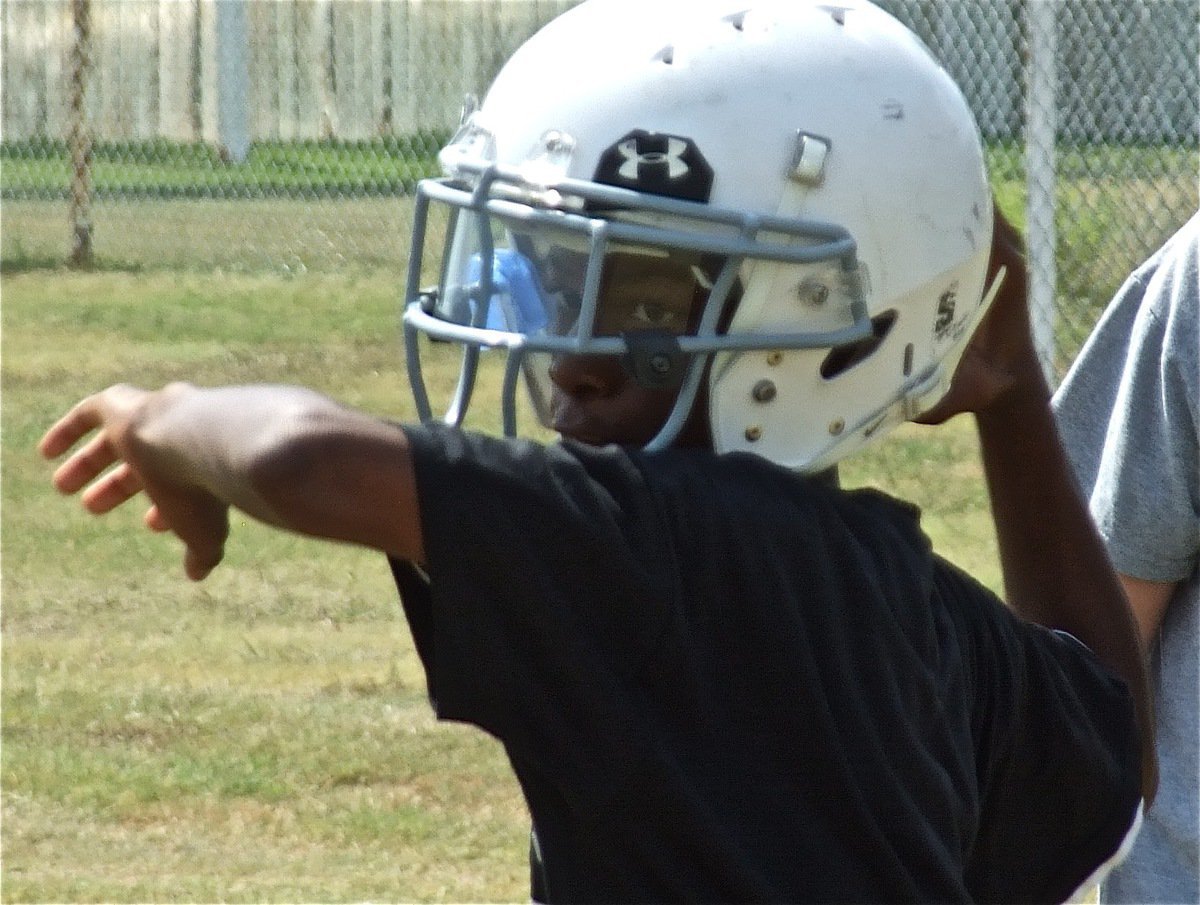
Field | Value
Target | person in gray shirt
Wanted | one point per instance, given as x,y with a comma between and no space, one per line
1129,414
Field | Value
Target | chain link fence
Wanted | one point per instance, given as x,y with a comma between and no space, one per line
286,136
1091,113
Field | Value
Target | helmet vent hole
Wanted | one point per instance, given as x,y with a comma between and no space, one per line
666,55
738,20
843,358
837,13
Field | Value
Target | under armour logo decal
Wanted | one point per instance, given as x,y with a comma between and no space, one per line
636,158
658,164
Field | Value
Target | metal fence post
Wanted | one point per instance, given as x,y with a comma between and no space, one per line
1041,119
80,137
233,80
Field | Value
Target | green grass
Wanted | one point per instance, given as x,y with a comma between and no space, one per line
267,236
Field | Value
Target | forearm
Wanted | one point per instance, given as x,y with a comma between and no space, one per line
1056,569
291,458
1149,600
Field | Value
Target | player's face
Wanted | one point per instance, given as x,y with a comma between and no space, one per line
594,399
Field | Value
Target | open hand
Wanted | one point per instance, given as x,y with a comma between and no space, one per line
121,460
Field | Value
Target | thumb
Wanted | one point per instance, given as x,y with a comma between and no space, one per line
199,520
198,563
204,537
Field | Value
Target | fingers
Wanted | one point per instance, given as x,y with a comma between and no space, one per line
155,520
109,413
88,464
85,464
111,490
109,409
68,430
99,468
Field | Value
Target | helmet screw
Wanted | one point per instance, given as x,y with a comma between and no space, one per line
812,292
753,433
836,426
764,391
660,364
774,358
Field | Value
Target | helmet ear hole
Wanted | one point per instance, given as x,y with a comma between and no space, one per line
843,358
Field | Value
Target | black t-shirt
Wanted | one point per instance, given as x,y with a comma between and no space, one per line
719,681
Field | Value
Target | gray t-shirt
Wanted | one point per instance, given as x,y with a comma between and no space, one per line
1129,412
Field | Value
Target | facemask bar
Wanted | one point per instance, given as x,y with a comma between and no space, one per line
696,365
503,194
415,296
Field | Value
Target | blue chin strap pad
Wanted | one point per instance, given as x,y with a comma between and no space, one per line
516,304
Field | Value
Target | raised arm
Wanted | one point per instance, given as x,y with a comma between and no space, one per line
1056,569
284,455
1149,600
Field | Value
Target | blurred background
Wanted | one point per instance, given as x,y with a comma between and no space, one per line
278,136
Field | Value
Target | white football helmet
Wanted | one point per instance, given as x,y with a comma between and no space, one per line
807,162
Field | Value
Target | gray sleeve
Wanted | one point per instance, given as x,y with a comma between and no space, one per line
1129,412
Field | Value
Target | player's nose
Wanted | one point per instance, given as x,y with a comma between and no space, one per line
583,376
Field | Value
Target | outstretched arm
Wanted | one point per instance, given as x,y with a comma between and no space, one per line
284,455
1056,569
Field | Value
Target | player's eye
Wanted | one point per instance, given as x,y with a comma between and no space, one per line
654,316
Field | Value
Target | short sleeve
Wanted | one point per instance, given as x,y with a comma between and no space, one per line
1057,753
1147,495
1130,415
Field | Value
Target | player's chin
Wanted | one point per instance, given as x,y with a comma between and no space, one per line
593,433
600,423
